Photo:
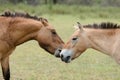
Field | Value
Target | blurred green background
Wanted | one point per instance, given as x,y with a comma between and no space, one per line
30,62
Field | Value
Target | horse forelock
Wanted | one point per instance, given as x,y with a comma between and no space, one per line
24,15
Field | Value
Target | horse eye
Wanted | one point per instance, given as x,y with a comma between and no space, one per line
74,38
53,32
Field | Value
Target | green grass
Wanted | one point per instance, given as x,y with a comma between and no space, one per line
83,11
30,62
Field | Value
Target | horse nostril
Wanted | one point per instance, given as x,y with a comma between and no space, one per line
62,56
68,57
59,50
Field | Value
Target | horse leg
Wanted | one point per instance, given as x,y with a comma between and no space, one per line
5,68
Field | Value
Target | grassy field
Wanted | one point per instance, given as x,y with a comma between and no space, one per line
30,62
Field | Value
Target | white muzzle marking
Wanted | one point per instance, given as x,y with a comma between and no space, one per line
65,53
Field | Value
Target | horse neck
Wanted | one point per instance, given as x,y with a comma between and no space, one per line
22,30
101,40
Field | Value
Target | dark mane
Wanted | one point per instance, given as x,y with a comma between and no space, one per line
103,25
18,14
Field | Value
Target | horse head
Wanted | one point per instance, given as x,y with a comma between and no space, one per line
48,38
75,46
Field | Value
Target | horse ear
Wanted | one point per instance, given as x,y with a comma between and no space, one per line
44,21
80,26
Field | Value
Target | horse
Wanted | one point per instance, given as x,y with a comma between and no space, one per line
17,28
103,37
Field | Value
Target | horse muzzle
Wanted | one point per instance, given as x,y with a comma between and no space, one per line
66,59
57,52
66,55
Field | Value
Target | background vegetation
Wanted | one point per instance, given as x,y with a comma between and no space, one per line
30,62
68,2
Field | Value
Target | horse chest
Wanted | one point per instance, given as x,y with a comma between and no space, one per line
5,49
